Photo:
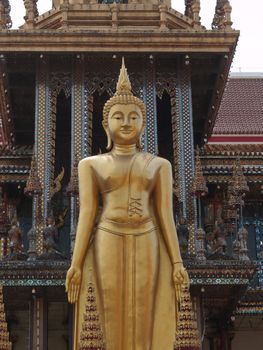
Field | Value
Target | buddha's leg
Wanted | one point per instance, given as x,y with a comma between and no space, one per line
146,274
109,272
127,269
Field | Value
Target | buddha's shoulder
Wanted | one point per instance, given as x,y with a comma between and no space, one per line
159,161
93,160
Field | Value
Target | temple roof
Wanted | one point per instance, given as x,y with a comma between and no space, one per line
241,110
103,16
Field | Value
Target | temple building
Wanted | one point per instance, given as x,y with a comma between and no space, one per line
56,72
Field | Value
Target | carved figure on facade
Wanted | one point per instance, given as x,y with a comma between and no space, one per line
237,190
192,10
50,234
222,17
183,235
217,244
56,207
50,241
31,12
5,18
72,189
57,184
240,245
198,190
15,241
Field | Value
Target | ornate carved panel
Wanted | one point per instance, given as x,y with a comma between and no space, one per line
150,137
186,144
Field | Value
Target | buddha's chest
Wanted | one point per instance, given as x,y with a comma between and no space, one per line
120,173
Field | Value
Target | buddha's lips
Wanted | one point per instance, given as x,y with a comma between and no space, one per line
126,131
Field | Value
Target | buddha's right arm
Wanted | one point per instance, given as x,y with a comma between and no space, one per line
88,197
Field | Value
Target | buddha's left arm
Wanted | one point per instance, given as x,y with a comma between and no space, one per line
164,209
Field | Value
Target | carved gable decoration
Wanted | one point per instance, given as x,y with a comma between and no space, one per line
114,16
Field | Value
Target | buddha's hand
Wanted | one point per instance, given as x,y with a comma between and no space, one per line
73,281
180,278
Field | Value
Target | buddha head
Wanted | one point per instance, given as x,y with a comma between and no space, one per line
124,115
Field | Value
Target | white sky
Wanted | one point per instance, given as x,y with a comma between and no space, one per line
246,15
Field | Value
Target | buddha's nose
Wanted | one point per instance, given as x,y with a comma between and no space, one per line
126,121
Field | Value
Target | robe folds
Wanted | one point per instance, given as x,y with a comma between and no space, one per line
131,271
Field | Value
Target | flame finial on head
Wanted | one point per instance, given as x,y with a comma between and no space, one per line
123,85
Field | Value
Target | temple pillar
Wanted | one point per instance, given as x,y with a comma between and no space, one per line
48,87
226,337
150,140
42,137
78,136
220,339
38,324
186,147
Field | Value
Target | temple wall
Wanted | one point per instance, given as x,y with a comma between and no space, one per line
245,340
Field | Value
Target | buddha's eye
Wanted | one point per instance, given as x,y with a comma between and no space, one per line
117,117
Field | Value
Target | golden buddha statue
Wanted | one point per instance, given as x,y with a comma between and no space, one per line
133,254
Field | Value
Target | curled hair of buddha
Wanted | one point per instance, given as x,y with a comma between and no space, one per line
123,95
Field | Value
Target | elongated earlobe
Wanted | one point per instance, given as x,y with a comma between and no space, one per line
139,143
109,140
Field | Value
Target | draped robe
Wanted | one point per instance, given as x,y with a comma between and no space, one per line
129,265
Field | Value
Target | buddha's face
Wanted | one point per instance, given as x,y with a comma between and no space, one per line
125,124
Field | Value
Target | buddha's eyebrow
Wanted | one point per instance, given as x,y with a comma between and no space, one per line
117,112
134,112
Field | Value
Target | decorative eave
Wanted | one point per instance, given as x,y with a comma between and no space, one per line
228,150
14,178
218,159
217,175
18,152
217,179
221,173
220,284
251,304
15,164
32,274
221,272
44,272
122,40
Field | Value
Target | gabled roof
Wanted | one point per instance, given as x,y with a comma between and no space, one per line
241,110
105,16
